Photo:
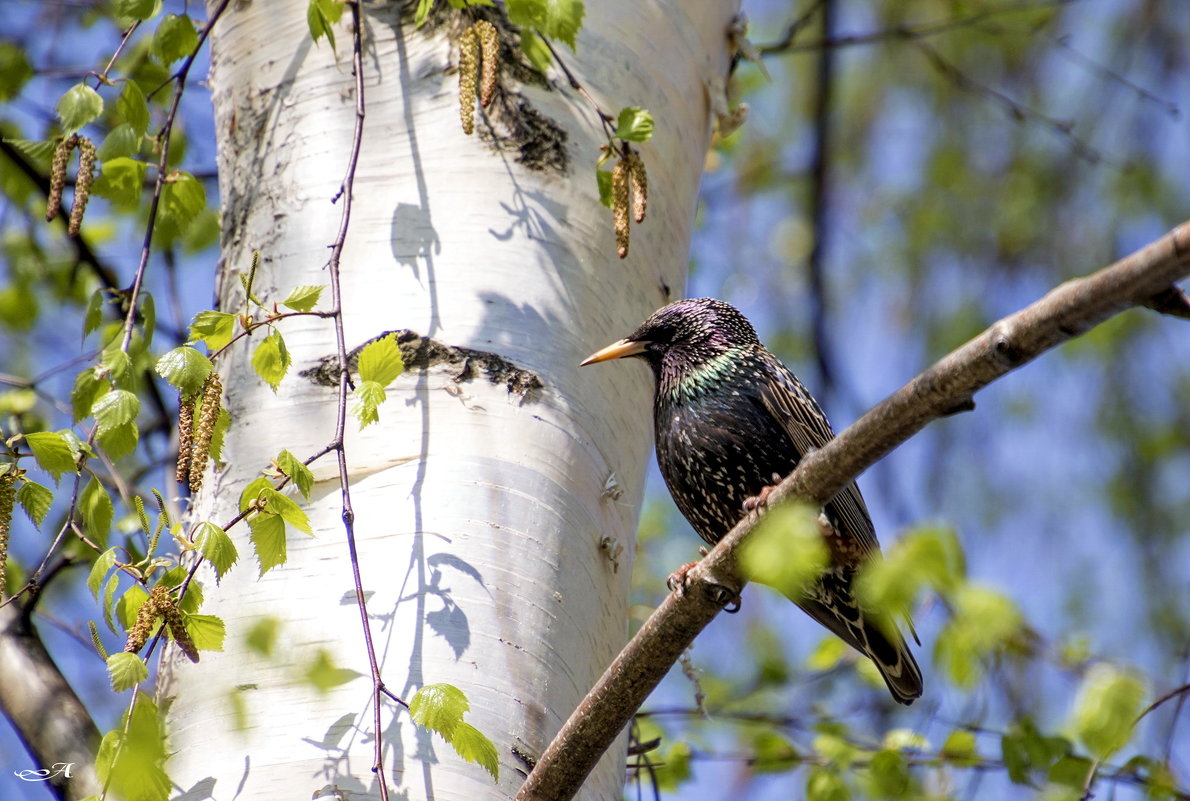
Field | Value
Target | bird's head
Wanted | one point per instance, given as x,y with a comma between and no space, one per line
682,336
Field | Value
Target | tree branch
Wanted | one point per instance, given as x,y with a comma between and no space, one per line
945,388
43,708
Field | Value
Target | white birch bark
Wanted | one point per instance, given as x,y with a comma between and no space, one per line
481,515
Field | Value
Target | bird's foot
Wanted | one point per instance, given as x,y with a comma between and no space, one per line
677,579
729,599
761,499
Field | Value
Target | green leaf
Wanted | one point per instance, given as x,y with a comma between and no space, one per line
217,547
438,707
17,401
88,388
890,774
36,149
268,540
1108,704
419,17
604,179
132,108
303,298
136,9
94,315
471,744
119,441
825,785
271,359
116,408
321,15
131,756
176,38
96,508
121,141
36,500
185,368
262,637
52,452
108,604
222,423
786,551
18,305
960,749
984,623
634,124
556,19
773,753
214,328
116,362
1070,771
80,105
202,233
381,361
289,511
207,631
292,466
928,557
121,181
126,671
323,675
129,605
535,50
105,562
369,395
829,652
192,600
251,492
15,70
1015,757
182,199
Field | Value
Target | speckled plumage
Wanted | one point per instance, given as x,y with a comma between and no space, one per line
729,415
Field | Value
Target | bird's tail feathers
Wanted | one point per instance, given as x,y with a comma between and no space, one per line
832,604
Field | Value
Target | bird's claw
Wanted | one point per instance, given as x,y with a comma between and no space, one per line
761,498
677,579
726,597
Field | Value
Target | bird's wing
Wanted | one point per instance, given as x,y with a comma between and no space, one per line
803,420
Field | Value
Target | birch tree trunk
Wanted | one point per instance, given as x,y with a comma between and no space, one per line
495,517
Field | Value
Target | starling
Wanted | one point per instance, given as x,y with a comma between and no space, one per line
728,418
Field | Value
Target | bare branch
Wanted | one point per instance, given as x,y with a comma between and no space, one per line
948,386
900,32
44,709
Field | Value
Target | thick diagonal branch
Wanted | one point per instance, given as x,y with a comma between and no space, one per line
948,386
45,711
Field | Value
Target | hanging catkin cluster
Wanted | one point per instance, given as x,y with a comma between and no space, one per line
478,40
82,183
8,495
194,440
160,605
630,190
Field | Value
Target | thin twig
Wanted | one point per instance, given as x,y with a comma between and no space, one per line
162,167
785,45
1017,110
339,444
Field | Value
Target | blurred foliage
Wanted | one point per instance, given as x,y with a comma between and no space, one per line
978,153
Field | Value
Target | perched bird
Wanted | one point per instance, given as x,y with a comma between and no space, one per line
728,418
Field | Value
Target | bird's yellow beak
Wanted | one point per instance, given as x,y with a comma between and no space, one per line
616,350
